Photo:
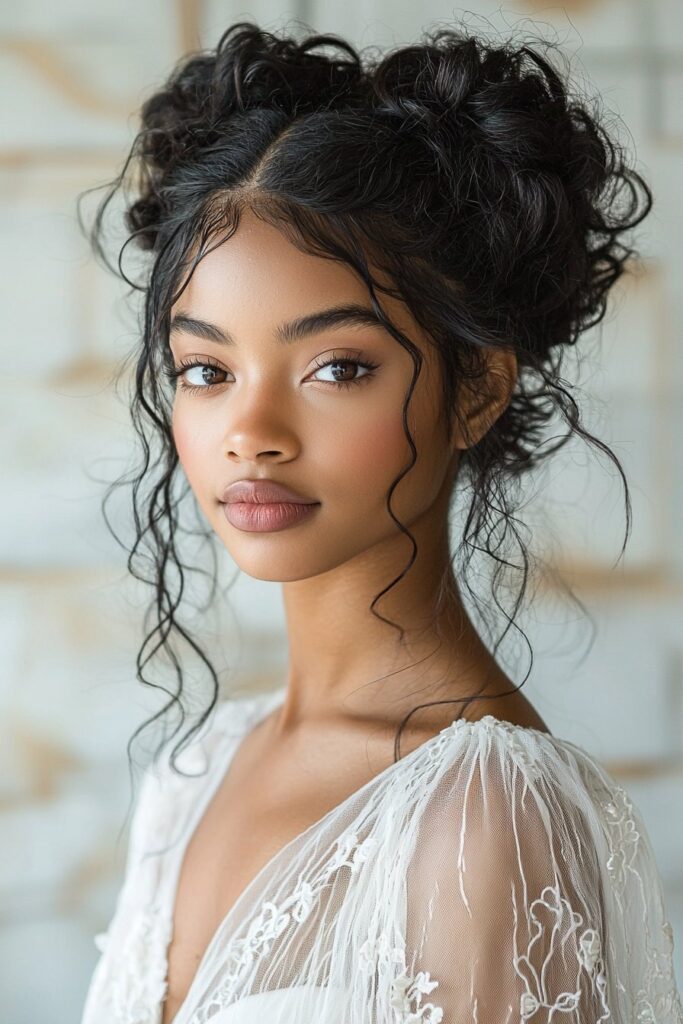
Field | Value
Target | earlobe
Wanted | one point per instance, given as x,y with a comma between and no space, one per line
484,400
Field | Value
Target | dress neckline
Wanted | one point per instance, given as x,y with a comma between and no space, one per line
258,707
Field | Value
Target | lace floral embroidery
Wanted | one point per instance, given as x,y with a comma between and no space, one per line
589,949
244,953
350,853
662,998
489,725
406,999
379,952
135,983
405,991
657,1001
560,923
625,837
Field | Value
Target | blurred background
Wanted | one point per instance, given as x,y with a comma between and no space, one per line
72,76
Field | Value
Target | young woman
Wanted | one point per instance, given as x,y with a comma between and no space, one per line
362,281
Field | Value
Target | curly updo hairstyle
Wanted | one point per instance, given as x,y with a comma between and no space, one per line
495,202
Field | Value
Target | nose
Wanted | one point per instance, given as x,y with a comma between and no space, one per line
259,427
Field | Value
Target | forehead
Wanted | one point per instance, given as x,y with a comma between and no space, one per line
259,270
258,279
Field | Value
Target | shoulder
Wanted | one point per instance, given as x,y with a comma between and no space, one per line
532,859
522,819
513,807
506,769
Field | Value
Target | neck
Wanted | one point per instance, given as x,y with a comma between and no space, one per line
347,663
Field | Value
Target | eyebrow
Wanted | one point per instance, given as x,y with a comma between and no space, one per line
349,315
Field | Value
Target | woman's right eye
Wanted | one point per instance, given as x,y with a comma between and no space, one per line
178,373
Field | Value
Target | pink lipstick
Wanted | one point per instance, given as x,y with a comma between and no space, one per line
261,505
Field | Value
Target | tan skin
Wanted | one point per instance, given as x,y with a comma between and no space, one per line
269,411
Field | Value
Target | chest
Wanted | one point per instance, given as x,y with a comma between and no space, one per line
233,842
256,811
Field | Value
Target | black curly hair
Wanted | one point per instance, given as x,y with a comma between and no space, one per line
496,202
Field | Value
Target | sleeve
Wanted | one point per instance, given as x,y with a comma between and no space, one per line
533,894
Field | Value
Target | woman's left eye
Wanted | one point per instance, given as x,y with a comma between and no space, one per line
341,366
342,362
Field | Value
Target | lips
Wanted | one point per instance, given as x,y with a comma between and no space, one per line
252,517
263,492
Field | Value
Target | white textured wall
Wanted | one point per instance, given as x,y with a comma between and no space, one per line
71,77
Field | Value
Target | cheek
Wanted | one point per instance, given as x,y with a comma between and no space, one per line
190,443
369,452
373,453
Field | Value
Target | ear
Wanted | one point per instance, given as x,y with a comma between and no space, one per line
482,402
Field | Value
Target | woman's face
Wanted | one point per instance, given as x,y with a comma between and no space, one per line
267,409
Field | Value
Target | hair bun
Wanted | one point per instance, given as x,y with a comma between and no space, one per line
248,68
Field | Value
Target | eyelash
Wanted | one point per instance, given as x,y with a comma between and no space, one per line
176,373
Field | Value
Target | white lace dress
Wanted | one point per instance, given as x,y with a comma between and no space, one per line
494,875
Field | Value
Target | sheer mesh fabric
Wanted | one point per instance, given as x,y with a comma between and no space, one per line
495,874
